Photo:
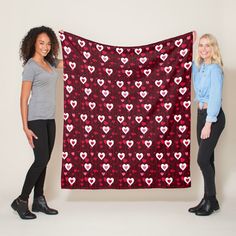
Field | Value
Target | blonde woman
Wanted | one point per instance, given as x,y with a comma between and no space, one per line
208,82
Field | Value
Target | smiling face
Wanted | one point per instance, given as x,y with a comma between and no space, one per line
42,45
205,50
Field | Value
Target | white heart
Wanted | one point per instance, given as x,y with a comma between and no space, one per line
69,127
119,50
139,119
69,88
147,72
177,118
109,106
119,83
138,84
139,156
99,47
183,90
125,129
130,181
130,143
182,166
158,119
110,143
73,142
125,94
92,142
73,103
126,167
87,166
164,167
67,49
169,180
106,166
148,143
187,65
101,155
159,156
158,83
121,156
183,52
138,50
163,129
83,117
178,80
83,79
120,118
71,180
186,104
88,128
143,94
148,181
124,60
66,115
168,69
72,65
88,91
110,181
100,82
81,43
109,71
104,58
64,155
91,69
68,166
177,155
163,56
158,47
178,42
83,155
129,107
92,105
128,72
144,167
143,60
163,92
91,180
87,55
147,107
168,143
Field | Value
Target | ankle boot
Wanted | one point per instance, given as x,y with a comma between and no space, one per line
208,208
198,207
40,204
22,209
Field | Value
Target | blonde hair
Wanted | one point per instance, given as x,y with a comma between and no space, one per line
216,56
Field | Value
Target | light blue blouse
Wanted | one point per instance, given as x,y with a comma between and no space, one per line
208,84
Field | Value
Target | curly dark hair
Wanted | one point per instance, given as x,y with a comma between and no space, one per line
27,48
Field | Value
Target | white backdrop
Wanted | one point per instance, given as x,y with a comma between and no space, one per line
114,22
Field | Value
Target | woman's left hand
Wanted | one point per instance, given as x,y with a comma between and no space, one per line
206,131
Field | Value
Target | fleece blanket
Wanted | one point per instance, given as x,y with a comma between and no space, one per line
126,114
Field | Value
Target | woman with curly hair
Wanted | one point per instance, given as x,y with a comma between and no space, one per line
208,83
39,50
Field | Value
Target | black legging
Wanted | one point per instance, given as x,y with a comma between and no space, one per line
206,150
45,131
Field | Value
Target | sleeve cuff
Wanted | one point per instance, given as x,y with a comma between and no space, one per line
211,119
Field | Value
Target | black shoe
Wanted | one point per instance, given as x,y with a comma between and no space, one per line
208,208
198,207
40,204
22,209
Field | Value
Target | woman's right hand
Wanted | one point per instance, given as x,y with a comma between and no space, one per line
30,135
